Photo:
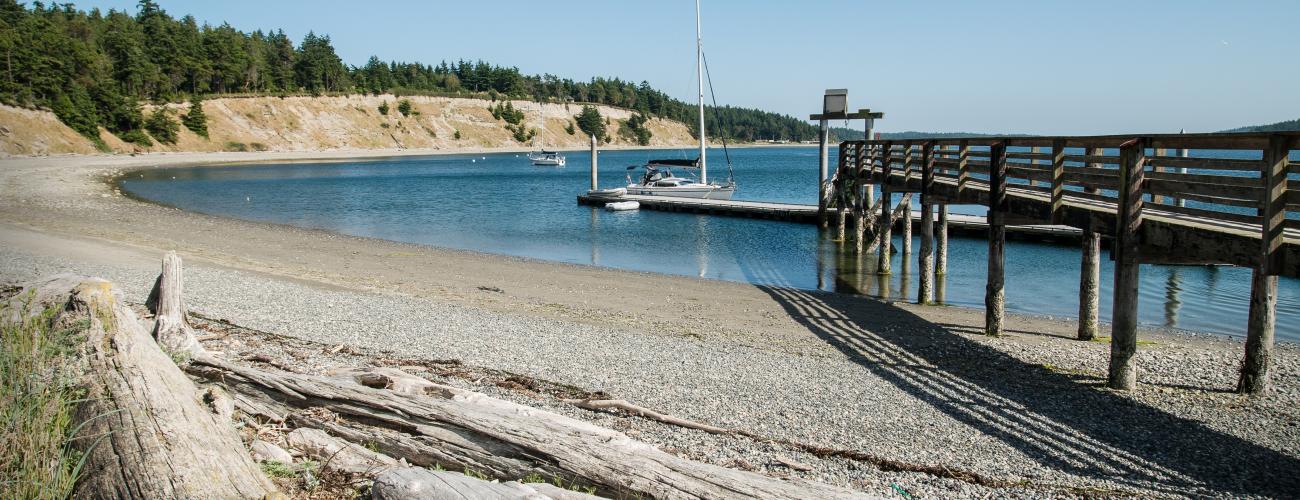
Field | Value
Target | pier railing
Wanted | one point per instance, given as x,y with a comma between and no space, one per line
1171,198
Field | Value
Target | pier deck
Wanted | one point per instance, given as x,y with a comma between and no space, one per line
807,214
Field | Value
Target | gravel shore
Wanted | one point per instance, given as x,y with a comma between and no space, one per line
1028,412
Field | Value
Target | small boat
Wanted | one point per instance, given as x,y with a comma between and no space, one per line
547,158
608,193
619,206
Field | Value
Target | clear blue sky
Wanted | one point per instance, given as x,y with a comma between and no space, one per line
1047,67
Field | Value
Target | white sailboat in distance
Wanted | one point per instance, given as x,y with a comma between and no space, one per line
659,179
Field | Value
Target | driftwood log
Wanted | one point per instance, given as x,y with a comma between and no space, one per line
431,424
142,423
423,484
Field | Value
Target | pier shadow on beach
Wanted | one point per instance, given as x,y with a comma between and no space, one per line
1062,421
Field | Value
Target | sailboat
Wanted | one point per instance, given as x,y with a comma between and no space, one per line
546,158
659,179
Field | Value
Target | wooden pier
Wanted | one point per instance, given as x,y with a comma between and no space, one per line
809,214
1189,207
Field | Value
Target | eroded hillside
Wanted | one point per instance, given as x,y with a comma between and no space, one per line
323,123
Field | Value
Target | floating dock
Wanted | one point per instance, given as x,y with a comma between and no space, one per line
976,225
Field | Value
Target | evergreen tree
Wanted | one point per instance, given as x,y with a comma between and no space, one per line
195,120
590,122
161,126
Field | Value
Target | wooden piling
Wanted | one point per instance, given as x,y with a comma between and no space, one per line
941,243
905,207
994,293
1263,289
841,220
1128,226
1090,272
885,224
593,163
925,261
823,152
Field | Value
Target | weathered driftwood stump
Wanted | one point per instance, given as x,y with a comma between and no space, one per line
172,327
142,425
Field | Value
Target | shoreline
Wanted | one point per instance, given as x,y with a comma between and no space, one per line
114,183
907,382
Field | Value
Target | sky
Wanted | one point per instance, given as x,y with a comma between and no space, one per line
1038,67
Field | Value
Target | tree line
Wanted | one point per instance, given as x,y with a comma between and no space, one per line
94,68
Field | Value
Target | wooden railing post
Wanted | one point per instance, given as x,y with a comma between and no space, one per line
1128,231
1090,271
885,223
1263,289
925,261
1058,180
994,294
858,181
1156,198
963,170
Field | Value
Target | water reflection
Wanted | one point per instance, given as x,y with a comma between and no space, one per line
594,225
1173,285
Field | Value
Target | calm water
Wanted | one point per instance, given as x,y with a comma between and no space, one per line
501,204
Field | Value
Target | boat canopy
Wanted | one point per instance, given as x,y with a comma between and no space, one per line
676,163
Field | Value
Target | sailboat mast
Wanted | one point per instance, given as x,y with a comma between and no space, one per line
699,71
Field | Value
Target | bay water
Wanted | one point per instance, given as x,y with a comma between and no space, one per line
501,204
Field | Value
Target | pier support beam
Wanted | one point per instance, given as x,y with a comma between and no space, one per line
859,228
1090,272
1263,289
885,225
841,222
905,207
941,242
1128,227
823,160
925,261
593,163
1089,280
994,293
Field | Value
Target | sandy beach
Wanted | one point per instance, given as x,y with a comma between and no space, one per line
1023,415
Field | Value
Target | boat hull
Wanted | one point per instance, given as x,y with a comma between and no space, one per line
707,193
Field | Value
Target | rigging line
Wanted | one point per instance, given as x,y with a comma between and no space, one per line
730,172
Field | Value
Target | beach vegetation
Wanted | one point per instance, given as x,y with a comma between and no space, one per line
195,119
161,126
456,135
235,147
506,111
38,396
137,137
404,107
568,128
634,129
383,108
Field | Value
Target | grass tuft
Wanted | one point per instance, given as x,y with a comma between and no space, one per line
38,396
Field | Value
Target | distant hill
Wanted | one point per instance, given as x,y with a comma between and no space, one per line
844,133
1286,126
